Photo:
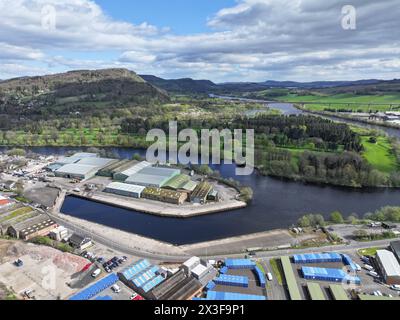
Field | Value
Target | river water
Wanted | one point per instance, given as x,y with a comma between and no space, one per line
277,204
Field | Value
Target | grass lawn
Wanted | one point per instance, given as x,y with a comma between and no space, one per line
368,252
277,271
379,154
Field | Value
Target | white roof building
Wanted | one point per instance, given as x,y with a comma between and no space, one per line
389,265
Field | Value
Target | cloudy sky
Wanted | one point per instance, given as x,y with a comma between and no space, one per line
220,40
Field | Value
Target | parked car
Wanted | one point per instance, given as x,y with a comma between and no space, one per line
116,288
373,274
368,267
96,273
395,287
18,263
136,297
100,260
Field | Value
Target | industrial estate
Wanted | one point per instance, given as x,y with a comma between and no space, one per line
100,263
272,175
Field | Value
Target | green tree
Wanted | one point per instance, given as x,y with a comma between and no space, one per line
336,217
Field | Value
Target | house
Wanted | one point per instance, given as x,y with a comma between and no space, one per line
80,242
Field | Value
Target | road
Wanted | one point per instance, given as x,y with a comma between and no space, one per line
119,246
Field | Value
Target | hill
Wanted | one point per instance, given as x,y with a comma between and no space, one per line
185,85
78,91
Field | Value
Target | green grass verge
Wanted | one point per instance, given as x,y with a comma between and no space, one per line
277,271
368,252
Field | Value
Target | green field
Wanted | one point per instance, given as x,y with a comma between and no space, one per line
346,101
379,154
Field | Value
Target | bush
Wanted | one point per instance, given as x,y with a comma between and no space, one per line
336,217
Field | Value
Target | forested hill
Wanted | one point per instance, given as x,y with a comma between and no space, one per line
185,85
77,91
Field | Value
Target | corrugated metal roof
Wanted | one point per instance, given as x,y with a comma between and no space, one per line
232,280
96,288
213,295
158,171
315,291
136,168
98,162
338,292
290,279
147,180
75,168
317,257
235,263
389,262
125,187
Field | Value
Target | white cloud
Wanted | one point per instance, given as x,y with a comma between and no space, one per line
253,40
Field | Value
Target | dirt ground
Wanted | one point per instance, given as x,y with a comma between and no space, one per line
46,271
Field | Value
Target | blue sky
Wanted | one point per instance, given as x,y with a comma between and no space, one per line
182,16
219,40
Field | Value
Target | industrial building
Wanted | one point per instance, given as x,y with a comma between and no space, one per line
128,169
115,167
80,166
338,293
40,225
230,296
234,281
124,189
72,159
163,195
77,171
181,183
317,258
60,233
389,266
199,269
315,291
142,277
155,177
325,274
395,247
96,288
201,192
239,264
291,282
179,286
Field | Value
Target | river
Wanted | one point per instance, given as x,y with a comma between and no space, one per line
277,204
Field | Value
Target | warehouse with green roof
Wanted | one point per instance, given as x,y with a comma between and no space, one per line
291,282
